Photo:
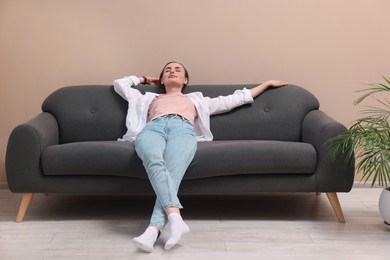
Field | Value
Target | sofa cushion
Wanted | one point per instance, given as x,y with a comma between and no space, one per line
87,113
92,158
220,158
215,158
277,114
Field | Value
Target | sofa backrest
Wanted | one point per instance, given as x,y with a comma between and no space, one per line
277,114
96,112
87,113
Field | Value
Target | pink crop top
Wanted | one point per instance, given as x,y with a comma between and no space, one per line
176,103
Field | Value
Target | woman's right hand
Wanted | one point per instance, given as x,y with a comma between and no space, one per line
153,81
149,80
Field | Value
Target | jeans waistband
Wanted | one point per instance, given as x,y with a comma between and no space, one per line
173,116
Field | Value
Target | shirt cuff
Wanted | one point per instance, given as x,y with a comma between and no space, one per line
248,96
134,79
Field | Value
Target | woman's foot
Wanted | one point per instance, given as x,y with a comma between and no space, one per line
178,228
146,241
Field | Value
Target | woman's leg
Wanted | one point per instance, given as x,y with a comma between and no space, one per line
150,146
166,151
179,152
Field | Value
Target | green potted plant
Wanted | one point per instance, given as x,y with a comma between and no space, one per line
368,142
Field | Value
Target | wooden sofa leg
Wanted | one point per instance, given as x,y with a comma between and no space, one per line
27,197
334,201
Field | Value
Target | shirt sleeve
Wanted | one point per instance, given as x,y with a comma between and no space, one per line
224,104
124,86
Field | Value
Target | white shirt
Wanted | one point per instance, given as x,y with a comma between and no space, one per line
137,113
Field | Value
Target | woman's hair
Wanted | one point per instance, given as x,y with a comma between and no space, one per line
185,73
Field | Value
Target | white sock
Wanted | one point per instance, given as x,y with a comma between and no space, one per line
147,239
178,228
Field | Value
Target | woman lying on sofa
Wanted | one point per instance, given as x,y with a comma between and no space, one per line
166,128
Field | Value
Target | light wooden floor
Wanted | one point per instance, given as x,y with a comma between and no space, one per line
266,226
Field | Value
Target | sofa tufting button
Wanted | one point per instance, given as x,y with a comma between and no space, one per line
266,109
92,111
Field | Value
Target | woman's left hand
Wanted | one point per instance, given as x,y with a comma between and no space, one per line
262,87
276,83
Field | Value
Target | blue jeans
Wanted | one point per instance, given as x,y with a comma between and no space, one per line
166,147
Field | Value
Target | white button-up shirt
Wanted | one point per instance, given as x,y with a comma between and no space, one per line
137,113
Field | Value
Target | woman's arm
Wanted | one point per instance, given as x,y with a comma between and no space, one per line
262,87
124,86
222,104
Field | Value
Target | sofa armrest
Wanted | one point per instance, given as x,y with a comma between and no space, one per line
23,157
331,175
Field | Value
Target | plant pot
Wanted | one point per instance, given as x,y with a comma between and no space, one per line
384,205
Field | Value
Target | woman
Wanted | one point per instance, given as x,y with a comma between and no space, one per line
166,128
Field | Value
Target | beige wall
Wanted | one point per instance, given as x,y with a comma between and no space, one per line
330,47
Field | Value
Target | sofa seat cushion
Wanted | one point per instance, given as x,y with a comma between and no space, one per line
235,157
112,158
215,158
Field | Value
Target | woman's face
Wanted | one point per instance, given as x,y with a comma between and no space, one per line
174,75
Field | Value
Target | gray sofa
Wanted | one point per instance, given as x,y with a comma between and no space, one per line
276,144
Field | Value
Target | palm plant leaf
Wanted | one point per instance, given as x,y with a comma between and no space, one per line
375,88
368,139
